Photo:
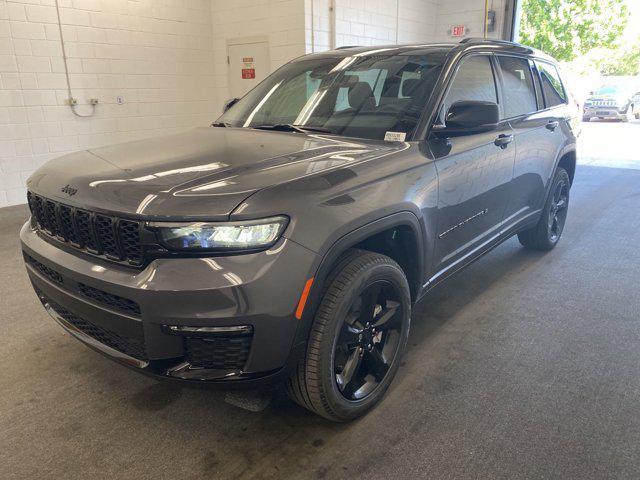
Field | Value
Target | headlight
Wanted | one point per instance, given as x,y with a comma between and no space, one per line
202,236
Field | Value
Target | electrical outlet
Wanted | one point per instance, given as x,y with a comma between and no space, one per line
93,101
71,101
120,99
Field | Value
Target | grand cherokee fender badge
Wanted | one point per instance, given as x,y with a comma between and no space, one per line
69,190
464,222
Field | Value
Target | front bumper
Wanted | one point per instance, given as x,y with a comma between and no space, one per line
127,313
604,112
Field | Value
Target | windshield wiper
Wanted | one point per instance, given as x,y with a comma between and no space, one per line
220,124
287,127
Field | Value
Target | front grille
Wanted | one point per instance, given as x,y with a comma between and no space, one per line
134,347
219,352
105,235
604,103
109,300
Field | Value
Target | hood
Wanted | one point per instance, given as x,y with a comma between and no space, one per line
201,174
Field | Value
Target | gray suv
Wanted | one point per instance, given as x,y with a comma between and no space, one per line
288,241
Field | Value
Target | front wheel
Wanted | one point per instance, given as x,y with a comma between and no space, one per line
357,338
547,232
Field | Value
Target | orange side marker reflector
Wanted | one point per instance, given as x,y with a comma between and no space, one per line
303,298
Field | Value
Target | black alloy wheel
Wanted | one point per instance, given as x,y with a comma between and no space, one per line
356,339
368,340
558,210
547,232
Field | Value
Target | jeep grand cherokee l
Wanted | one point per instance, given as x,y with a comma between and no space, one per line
288,241
609,102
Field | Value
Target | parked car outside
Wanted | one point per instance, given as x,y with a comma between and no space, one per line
635,106
288,242
612,102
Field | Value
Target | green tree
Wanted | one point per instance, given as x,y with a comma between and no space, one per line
566,29
621,62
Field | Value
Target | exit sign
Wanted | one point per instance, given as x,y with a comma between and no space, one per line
458,31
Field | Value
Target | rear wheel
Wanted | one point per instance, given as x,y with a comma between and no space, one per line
547,232
357,338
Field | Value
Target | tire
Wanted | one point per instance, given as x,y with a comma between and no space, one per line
547,232
319,382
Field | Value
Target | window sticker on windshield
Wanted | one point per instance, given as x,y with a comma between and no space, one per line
395,136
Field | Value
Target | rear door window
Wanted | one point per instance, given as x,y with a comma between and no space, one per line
474,80
554,92
519,91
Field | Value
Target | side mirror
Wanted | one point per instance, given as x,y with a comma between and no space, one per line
229,103
469,117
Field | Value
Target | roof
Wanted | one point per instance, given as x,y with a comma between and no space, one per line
421,48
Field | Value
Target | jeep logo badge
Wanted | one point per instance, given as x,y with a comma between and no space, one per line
69,190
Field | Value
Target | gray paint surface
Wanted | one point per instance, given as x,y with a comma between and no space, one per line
525,365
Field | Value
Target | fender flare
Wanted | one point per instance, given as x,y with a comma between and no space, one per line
333,253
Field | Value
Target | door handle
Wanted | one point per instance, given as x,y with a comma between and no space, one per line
503,140
552,125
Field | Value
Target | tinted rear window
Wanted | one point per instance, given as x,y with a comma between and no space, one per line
519,93
554,93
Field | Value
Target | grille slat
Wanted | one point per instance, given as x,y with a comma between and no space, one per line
129,233
116,238
85,230
52,217
107,235
67,225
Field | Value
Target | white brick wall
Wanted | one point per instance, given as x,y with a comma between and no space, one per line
469,13
280,21
369,22
154,53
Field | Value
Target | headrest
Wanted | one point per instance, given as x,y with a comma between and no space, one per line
410,86
359,93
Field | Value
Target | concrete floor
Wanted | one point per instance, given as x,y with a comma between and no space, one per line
526,365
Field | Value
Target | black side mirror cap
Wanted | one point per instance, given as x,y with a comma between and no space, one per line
229,103
469,117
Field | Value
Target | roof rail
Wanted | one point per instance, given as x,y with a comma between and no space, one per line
347,46
487,40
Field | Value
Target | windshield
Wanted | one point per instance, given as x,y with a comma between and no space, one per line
359,96
611,90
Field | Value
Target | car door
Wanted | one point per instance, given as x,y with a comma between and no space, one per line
556,118
474,172
535,142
